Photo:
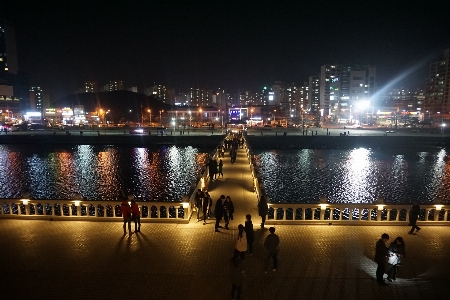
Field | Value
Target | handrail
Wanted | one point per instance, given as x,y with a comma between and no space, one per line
91,210
360,213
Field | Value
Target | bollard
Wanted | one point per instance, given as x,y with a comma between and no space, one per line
276,133
285,133
181,132
316,132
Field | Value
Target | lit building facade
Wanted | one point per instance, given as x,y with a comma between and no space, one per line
13,85
200,97
115,85
90,87
343,88
437,94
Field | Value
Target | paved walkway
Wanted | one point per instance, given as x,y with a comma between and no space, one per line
93,260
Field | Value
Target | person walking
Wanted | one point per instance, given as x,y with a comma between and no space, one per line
396,252
381,252
136,216
263,209
205,206
233,155
126,214
413,216
220,170
249,233
212,168
218,212
228,211
271,244
236,278
240,246
198,202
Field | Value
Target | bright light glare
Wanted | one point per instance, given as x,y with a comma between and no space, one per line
363,104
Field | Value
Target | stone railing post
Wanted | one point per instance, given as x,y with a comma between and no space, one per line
380,205
323,206
438,204
77,202
25,202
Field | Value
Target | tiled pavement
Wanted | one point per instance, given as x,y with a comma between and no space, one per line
93,260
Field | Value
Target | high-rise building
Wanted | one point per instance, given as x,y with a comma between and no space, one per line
12,97
437,94
313,95
343,87
200,97
90,87
115,85
36,98
8,51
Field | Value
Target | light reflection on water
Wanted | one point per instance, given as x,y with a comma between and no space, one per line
99,172
355,176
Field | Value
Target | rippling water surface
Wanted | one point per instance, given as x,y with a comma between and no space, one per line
99,172
355,176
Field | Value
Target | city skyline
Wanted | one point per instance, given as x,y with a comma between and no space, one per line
220,45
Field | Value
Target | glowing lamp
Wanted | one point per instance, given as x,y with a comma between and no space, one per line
439,204
77,202
25,201
185,204
323,203
380,203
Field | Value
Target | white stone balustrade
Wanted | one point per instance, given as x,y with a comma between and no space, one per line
355,214
92,210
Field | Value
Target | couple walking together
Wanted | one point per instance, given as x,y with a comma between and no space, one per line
224,208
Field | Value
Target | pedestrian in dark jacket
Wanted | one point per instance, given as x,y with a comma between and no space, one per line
236,278
396,252
381,251
198,202
126,214
212,167
220,170
271,244
205,206
228,211
218,212
413,216
263,209
250,234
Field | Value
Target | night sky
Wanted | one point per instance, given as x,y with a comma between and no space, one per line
230,45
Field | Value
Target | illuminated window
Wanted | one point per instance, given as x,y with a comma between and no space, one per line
6,69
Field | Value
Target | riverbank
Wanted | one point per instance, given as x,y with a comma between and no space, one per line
346,142
275,139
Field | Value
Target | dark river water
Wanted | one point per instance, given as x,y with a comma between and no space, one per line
166,173
99,172
355,176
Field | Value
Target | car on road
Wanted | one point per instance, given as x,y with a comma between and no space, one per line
137,130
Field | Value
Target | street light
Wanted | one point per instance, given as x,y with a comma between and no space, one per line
150,114
104,119
160,118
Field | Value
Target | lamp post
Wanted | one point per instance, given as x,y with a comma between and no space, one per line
150,115
160,118
104,119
